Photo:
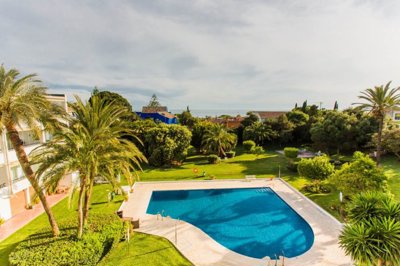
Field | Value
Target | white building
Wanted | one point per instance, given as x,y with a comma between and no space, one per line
395,114
15,189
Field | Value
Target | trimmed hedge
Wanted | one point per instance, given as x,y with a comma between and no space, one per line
248,145
291,152
316,168
103,233
213,159
230,154
258,150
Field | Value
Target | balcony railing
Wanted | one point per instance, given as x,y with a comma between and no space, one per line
18,179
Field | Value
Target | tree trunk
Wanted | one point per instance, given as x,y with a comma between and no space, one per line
30,175
88,195
379,142
80,209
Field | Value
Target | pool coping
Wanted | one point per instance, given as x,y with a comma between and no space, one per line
201,249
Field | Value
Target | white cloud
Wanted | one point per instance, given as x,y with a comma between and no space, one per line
207,54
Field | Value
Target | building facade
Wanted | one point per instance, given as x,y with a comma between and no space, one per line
15,189
158,114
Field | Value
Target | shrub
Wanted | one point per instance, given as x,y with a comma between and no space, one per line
248,145
103,233
360,175
316,168
292,165
230,154
2,221
258,150
317,187
213,159
191,151
291,152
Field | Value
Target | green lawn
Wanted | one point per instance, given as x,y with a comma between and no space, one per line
392,170
99,205
145,250
151,250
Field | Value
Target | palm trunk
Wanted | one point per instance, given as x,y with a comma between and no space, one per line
379,142
30,175
80,209
88,195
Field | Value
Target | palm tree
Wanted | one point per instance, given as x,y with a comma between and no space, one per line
94,143
374,242
23,101
259,133
373,235
217,139
379,101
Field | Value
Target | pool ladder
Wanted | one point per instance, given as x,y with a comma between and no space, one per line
161,216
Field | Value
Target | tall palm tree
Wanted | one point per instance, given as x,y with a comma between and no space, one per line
379,101
93,142
23,102
217,139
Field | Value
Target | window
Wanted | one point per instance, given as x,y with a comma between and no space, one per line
16,173
397,116
49,136
27,137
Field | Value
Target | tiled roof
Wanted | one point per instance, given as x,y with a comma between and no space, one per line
167,114
269,114
147,109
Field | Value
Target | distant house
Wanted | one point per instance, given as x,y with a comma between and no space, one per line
264,115
158,114
229,122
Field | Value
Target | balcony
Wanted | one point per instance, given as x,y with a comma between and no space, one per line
12,157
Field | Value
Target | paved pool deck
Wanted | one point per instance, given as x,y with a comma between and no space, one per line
202,250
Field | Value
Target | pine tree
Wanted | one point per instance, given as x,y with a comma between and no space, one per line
336,107
304,107
154,101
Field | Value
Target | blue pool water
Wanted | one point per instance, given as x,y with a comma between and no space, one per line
254,222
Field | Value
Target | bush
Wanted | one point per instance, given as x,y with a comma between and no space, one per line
360,175
291,152
103,233
248,145
191,151
316,168
258,150
316,187
2,221
292,165
230,154
213,159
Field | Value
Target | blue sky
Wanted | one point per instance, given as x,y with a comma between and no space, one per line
255,54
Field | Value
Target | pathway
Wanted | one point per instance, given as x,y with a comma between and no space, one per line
18,221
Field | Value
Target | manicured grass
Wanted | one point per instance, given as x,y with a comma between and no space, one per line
145,249
99,205
266,165
392,170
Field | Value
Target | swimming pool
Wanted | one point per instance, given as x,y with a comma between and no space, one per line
254,222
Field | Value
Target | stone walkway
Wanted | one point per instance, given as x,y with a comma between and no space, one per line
201,249
21,219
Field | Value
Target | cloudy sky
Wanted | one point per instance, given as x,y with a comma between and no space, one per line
254,54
